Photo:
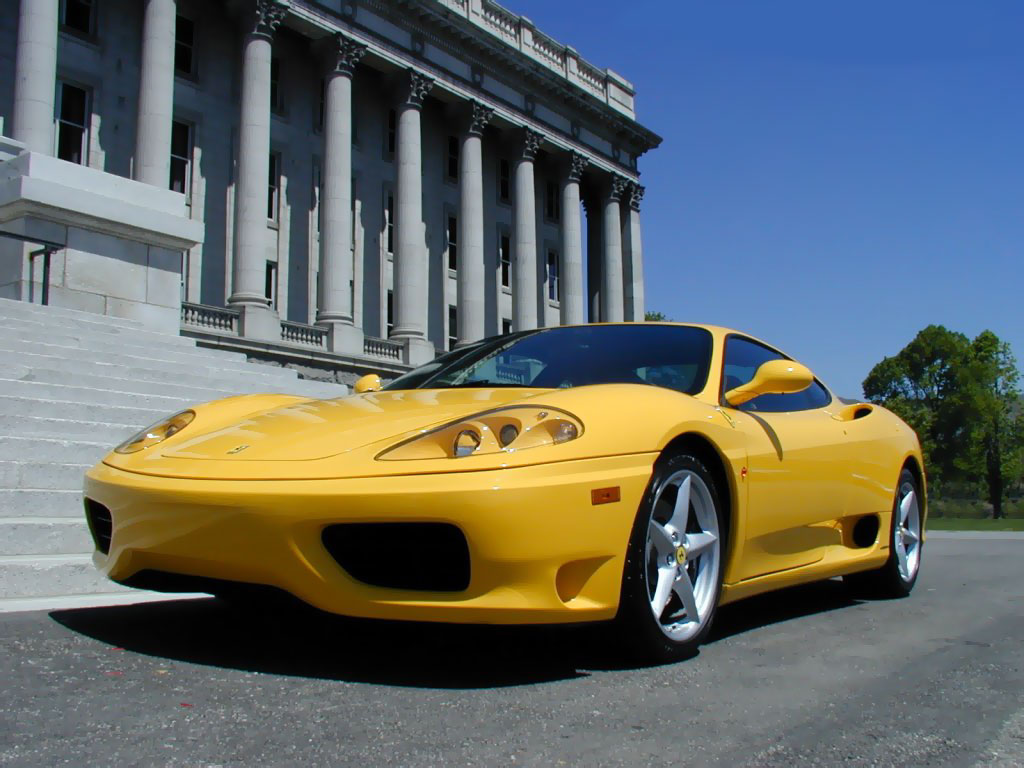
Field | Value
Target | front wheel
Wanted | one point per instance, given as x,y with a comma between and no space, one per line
674,564
906,536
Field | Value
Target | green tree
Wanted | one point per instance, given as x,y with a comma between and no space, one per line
656,317
991,399
962,399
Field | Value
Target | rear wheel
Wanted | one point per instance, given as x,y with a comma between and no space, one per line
899,574
674,564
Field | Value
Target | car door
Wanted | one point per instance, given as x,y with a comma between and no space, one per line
797,484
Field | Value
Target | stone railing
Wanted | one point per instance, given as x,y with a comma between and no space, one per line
208,318
303,334
389,350
520,33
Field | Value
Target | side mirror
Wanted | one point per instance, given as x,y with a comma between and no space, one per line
776,377
368,383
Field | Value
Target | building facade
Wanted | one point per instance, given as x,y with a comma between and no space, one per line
372,180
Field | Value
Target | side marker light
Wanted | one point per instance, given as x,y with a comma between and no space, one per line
605,495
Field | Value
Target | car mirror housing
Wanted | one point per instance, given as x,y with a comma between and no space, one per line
368,383
775,377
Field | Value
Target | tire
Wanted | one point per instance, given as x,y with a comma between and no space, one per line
897,577
675,559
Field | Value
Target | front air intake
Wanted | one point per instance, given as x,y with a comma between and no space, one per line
432,557
101,525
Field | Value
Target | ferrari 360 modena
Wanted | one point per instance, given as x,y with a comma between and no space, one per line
639,474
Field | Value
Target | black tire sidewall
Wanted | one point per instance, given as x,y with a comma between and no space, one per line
637,626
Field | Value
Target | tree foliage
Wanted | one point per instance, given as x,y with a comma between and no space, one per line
656,317
962,399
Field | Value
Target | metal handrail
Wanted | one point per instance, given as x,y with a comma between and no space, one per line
49,248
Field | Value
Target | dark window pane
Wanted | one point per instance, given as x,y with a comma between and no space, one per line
179,174
392,127
184,43
72,104
69,143
180,139
78,15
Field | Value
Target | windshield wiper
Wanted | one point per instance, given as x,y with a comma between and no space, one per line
483,383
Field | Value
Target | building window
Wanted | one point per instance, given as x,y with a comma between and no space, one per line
452,166
554,287
322,105
73,124
276,95
184,46
270,286
552,206
389,137
274,186
452,237
391,314
506,326
389,224
78,16
181,159
453,326
504,185
505,260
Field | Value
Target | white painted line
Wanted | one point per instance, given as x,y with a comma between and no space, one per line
977,535
70,602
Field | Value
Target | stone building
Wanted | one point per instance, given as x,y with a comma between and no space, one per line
343,184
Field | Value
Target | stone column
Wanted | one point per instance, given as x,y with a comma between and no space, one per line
471,227
156,94
633,257
592,206
524,225
35,75
571,272
336,204
410,266
612,302
249,268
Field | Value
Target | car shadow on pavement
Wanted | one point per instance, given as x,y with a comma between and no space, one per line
287,638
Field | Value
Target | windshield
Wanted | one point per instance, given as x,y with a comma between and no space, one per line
672,356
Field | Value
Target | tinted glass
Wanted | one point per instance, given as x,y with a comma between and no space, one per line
742,359
676,357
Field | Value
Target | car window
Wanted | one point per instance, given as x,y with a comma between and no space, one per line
742,359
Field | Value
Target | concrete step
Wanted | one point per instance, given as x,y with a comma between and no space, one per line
49,575
89,395
15,308
113,353
17,475
186,386
36,449
147,369
36,502
45,327
97,431
44,536
120,415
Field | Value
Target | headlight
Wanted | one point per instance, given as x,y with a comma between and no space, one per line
156,433
500,431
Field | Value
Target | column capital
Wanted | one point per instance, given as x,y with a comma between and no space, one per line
419,86
479,116
618,187
531,143
343,55
636,194
577,164
263,17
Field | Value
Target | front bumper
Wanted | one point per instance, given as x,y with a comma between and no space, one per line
540,550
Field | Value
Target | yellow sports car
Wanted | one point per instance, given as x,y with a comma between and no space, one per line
638,473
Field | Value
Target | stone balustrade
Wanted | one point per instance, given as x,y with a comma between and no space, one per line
209,318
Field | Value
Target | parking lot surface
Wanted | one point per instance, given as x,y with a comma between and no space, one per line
809,676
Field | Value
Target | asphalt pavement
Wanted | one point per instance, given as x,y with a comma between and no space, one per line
808,676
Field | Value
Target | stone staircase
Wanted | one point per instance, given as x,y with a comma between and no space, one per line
73,385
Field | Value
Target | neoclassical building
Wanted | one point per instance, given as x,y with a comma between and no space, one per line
356,183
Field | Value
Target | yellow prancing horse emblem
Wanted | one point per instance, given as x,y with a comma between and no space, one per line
680,555
237,449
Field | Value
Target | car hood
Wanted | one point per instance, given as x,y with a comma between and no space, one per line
311,430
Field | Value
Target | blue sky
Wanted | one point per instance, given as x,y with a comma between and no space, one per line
834,176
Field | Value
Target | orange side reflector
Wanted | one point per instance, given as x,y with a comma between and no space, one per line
605,495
